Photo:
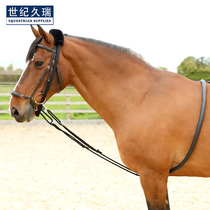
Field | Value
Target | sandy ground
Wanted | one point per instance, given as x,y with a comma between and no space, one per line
41,169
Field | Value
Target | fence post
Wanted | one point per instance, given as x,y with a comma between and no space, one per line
68,107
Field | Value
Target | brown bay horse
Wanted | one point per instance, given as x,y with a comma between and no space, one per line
153,113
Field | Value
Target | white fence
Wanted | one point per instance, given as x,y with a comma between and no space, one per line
67,103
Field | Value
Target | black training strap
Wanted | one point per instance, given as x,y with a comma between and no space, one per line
197,132
49,117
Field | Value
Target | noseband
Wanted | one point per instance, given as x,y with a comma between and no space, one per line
51,68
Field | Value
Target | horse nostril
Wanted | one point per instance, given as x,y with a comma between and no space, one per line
14,112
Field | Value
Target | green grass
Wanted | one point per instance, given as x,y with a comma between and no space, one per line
62,116
6,88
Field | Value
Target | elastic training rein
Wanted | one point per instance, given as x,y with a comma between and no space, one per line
50,117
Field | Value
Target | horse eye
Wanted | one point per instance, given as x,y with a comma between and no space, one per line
39,64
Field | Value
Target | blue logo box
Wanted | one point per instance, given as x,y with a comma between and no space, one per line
28,15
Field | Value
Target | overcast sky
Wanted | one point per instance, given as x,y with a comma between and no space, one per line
164,32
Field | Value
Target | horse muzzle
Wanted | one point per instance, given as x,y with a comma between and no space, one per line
24,113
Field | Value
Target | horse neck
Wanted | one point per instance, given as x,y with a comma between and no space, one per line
107,78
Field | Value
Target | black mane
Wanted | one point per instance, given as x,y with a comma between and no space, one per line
113,46
33,48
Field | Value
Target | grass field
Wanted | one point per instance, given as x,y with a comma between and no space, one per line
7,89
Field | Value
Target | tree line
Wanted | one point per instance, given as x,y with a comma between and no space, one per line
195,68
9,74
10,70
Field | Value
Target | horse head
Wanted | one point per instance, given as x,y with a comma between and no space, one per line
41,78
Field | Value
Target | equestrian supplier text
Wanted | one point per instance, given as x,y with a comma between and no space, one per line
27,15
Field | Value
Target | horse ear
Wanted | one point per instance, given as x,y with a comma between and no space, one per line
46,36
35,32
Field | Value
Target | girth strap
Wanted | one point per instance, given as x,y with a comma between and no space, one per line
197,132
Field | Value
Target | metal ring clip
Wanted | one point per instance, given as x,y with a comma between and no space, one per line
38,102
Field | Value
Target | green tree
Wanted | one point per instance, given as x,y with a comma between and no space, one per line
195,68
187,66
10,68
18,71
1,70
163,68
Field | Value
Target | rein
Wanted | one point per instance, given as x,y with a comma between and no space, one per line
50,117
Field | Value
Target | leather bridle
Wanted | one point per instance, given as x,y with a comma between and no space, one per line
51,69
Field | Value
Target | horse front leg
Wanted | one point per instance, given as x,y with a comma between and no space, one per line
167,201
155,190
